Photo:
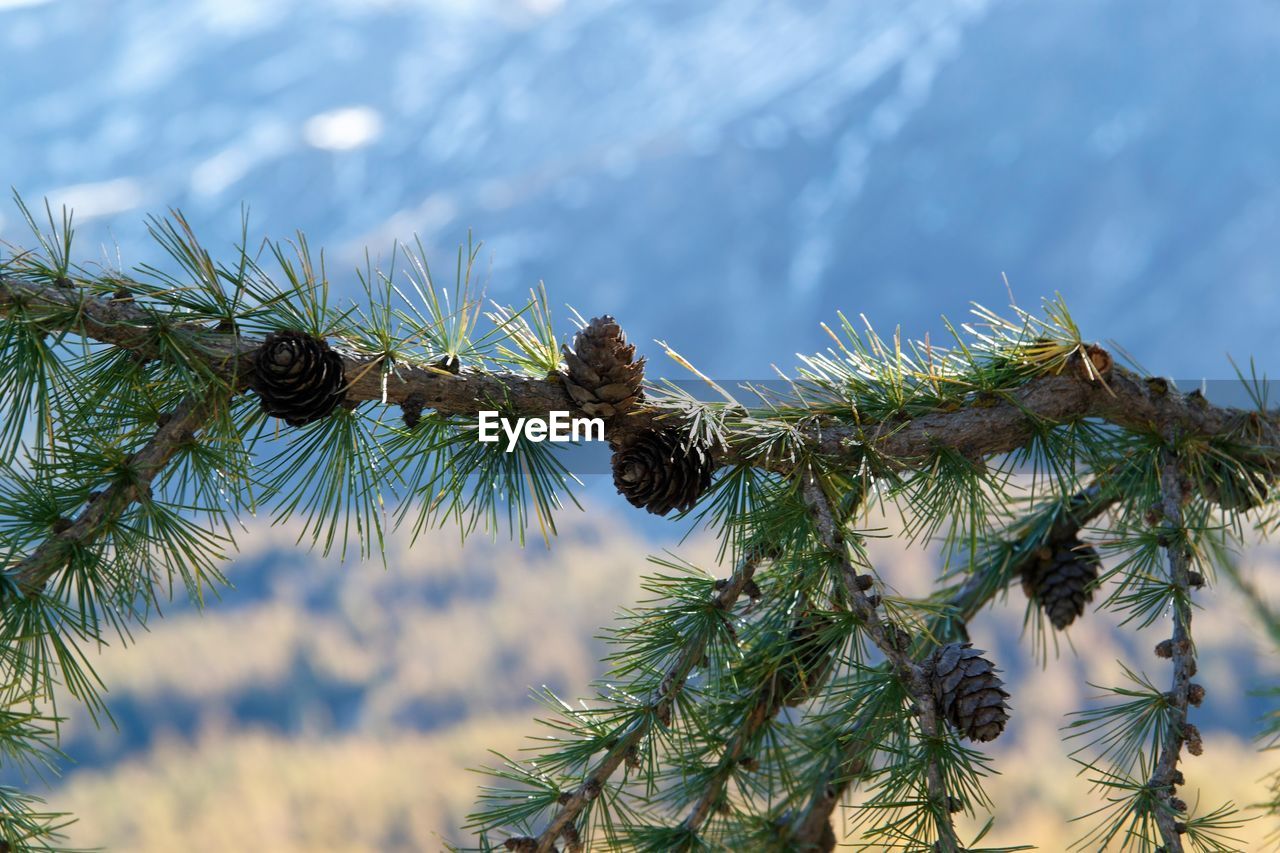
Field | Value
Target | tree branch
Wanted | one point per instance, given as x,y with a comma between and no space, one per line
762,710
892,641
1165,776
659,709
980,429
975,593
33,573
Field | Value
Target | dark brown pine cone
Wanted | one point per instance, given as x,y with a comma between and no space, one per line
1062,582
298,377
604,375
657,473
969,693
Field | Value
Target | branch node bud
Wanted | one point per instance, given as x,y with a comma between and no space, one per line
411,410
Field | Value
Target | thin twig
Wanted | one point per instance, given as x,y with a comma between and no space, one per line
1162,782
34,572
659,708
892,641
762,710
982,585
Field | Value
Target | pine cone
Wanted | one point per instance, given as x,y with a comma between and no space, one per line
1062,582
298,378
809,659
970,694
657,473
604,374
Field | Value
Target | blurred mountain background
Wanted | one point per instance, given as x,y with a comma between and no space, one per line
321,706
722,175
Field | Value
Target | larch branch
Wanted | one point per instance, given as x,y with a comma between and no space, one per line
1165,776
980,429
891,640
658,709
35,571
975,593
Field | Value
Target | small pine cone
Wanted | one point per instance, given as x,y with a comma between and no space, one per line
809,659
1062,583
1195,694
604,375
411,408
969,693
658,473
897,636
1164,649
298,377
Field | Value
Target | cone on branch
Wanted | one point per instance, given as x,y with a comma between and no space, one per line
604,376
970,696
657,472
298,377
809,660
1061,580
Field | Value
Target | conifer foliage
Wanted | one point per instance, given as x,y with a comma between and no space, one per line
784,700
